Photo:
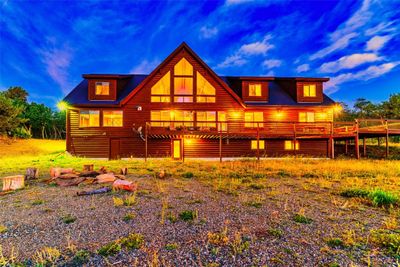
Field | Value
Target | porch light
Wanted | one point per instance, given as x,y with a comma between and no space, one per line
62,105
337,108
278,114
235,114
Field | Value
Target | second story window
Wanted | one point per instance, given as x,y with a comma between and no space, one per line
160,118
89,118
206,119
253,119
309,90
102,88
255,89
160,92
306,116
205,91
113,118
183,81
183,118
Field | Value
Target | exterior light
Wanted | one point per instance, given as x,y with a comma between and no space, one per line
235,114
188,141
279,114
62,106
337,108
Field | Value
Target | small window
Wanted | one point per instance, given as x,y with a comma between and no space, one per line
89,118
253,119
112,118
261,144
306,117
254,89
289,145
309,90
206,119
160,118
160,92
102,88
183,99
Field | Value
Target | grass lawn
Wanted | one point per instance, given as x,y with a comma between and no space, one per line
288,212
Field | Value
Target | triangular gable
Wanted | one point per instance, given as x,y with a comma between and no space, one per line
181,47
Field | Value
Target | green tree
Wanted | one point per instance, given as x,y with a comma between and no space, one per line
391,108
40,119
10,118
17,93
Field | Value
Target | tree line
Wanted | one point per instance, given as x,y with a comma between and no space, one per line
22,119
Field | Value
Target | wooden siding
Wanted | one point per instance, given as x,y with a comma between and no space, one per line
92,90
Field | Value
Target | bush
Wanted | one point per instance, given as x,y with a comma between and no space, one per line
387,239
67,219
171,246
133,241
275,232
382,198
109,249
335,242
302,219
21,132
81,257
188,175
354,192
188,215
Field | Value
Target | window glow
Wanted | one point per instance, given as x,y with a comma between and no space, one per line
160,92
89,118
222,125
289,145
183,86
113,118
309,90
183,99
183,118
177,149
261,144
102,88
184,68
254,89
160,118
205,91
206,119
306,117
253,119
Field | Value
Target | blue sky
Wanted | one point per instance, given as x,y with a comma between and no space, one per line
45,46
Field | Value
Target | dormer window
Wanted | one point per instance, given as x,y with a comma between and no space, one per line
102,88
309,90
255,89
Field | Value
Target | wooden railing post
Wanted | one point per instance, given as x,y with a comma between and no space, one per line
294,139
332,143
356,142
145,141
387,139
220,142
364,146
258,141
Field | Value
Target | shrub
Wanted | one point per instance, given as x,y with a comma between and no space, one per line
188,215
299,218
335,242
219,238
81,257
133,241
275,232
37,202
254,203
354,192
171,217
188,175
382,198
67,219
118,202
130,200
109,249
239,244
171,246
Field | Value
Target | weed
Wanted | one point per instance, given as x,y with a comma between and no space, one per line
81,257
381,198
143,192
133,241
118,202
283,173
171,217
254,203
390,223
188,175
239,244
257,186
67,219
37,202
3,229
386,239
171,246
130,200
128,217
299,218
334,242
278,233
109,249
188,215
219,238
46,256
354,192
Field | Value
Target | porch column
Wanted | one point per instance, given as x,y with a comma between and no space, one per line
387,139
356,142
365,146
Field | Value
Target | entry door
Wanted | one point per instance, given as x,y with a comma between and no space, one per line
114,148
176,149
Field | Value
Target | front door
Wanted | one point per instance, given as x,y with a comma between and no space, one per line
176,149
114,149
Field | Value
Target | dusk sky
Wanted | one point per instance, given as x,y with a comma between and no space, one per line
47,45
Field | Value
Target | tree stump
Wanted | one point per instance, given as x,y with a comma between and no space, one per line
88,167
31,173
13,182
124,171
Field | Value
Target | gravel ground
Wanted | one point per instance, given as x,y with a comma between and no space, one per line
33,218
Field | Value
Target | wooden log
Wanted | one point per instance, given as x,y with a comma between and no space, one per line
55,172
124,171
31,173
88,167
13,182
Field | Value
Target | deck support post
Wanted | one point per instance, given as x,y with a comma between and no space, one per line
346,147
258,141
220,145
294,139
145,142
387,139
183,148
364,146
332,143
356,142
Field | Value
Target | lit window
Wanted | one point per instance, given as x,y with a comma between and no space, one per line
254,89
253,119
183,99
306,117
289,145
112,118
102,88
206,119
261,144
184,68
160,92
309,90
205,91
222,125
183,86
183,118
160,118
89,118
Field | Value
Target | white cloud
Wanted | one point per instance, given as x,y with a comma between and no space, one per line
235,60
236,2
349,62
303,68
381,28
377,42
272,63
207,32
57,62
363,75
339,44
145,67
257,48
270,73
